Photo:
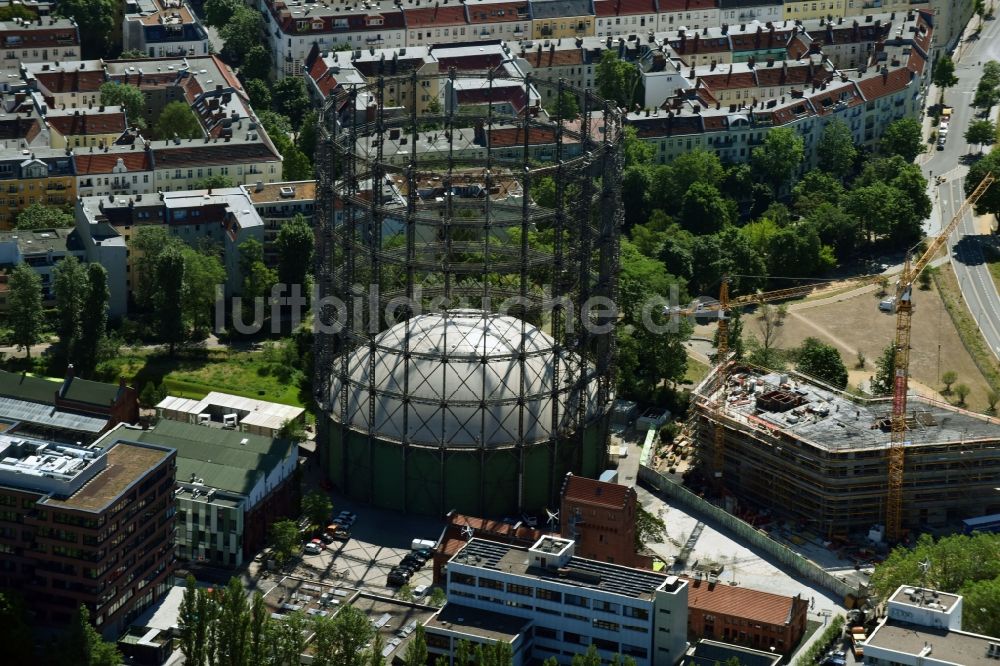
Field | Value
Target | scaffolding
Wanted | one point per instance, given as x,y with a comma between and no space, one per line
465,200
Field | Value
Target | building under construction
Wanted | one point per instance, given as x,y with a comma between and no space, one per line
457,362
813,455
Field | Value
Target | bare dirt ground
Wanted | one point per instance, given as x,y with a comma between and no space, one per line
856,323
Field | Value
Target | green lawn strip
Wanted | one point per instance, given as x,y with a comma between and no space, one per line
966,326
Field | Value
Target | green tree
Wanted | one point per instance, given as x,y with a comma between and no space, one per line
96,22
438,597
779,157
24,307
242,31
814,189
93,320
169,297
703,209
287,639
962,391
463,653
296,165
191,622
986,97
290,99
11,12
145,247
203,274
151,394
318,508
957,564
260,617
590,658
81,645
992,398
637,151
882,382
375,657
981,132
990,201
616,79
903,137
295,243
822,361
836,151
948,377
40,216
213,182
566,107
216,12
178,120
416,650
15,631
274,124
648,529
981,606
284,537
234,625
69,287
257,63
943,73
351,632
132,54
496,653
305,140
259,93
127,96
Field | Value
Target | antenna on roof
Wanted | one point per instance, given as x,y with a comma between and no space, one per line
468,532
553,519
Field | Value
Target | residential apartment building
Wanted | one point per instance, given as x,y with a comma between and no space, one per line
84,526
745,11
571,602
40,249
163,28
231,485
923,627
225,217
44,176
601,518
743,616
66,84
40,40
554,19
277,204
90,127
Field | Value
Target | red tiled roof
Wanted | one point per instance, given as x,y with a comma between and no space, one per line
34,38
762,38
726,80
696,44
879,85
470,62
19,127
668,126
686,5
922,37
506,137
197,153
435,16
498,12
72,81
742,602
554,57
513,94
600,493
624,7
101,162
484,528
88,122
916,62
797,47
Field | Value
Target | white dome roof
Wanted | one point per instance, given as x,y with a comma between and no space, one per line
463,380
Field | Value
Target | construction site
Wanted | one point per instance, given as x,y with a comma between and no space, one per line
797,450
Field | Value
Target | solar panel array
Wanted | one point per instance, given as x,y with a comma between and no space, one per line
591,573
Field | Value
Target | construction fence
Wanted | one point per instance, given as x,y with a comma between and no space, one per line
747,533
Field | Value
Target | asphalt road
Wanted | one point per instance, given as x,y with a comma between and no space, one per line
965,244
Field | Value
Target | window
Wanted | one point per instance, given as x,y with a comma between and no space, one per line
576,600
491,583
462,579
522,590
605,625
548,595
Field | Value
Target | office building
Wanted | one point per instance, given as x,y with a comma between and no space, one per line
573,602
601,518
86,526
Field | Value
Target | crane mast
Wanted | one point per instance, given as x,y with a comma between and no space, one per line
901,365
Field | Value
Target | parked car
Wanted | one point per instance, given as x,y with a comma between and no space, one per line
396,579
419,591
425,553
313,549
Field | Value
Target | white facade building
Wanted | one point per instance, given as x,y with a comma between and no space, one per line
574,602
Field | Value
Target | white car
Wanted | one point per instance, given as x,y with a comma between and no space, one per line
312,549
419,591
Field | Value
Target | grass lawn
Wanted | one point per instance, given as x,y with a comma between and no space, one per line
992,256
195,373
696,371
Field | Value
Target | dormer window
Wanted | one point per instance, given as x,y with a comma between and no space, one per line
373,20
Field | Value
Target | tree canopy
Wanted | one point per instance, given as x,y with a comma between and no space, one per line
836,151
177,119
24,306
241,32
41,216
982,132
96,22
822,361
990,201
943,73
616,79
127,96
902,137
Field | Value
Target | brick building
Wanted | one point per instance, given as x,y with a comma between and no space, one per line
81,526
601,518
743,616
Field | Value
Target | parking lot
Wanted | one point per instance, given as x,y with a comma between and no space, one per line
379,540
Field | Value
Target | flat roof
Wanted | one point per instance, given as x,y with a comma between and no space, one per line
478,622
952,647
918,597
577,572
127,463
832,420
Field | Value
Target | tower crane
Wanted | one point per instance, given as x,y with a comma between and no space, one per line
901,364
904,311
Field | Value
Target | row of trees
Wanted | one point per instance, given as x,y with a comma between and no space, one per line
223,627
82,295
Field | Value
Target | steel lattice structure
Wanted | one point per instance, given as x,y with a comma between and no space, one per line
457,245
